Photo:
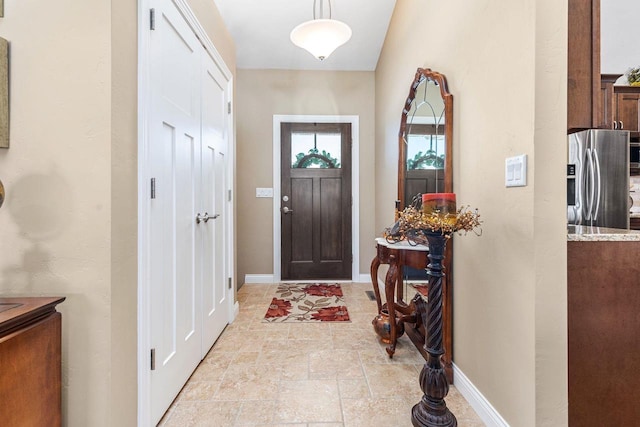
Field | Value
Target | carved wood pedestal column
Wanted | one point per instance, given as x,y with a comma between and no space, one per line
432,410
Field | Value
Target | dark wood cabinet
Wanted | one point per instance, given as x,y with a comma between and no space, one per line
620,105
634,223
603,296
30,362
608,100
627,109
583,84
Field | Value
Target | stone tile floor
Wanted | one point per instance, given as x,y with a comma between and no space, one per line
305,375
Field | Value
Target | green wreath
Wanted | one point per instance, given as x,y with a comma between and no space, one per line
429,158
314,158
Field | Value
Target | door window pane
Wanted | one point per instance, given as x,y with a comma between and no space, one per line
315,150
425,152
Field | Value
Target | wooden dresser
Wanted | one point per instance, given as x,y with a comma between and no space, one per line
30,362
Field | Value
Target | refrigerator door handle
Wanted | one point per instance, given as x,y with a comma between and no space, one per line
580,184
589,185
597,187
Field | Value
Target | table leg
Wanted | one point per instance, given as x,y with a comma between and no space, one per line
389,290
375,264
400,283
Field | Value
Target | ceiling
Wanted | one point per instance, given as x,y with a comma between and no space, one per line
260,30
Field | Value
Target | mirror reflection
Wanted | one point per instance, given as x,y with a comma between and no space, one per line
425,141
425,163
425,138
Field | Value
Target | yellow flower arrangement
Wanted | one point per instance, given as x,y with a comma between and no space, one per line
633,76
413,224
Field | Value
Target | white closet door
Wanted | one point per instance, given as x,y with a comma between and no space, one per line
214,189
174,157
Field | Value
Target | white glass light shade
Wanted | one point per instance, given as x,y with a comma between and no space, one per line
321,36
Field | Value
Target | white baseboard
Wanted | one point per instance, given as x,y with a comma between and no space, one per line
268,278
364,278
258,278
478,402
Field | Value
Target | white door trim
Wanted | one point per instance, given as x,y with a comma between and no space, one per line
355,186
144,96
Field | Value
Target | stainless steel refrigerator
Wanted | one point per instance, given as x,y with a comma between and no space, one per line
598,178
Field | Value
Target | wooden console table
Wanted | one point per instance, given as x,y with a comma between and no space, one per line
398,255
30,361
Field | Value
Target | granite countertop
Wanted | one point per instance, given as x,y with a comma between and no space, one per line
582,233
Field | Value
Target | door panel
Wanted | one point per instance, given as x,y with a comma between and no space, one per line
301,223
629,111
177,47
187,134
316,180
162,269
214,291
184,181
331,219
174,138
214,166
423,181
611,158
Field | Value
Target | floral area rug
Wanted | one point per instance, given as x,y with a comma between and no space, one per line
307,302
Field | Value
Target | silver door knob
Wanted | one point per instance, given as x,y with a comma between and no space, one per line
286,210
206,217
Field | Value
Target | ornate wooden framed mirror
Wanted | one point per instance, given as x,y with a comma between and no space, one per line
425,165
425,161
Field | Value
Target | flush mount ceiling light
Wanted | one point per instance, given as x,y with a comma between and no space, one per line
321,36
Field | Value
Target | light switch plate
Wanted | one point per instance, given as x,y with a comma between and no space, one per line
264,192
515,171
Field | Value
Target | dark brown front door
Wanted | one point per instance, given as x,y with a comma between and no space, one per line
316,201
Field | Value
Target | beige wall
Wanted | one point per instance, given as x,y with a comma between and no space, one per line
550,244
55,226
260,95
68,226
506,67
124,214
